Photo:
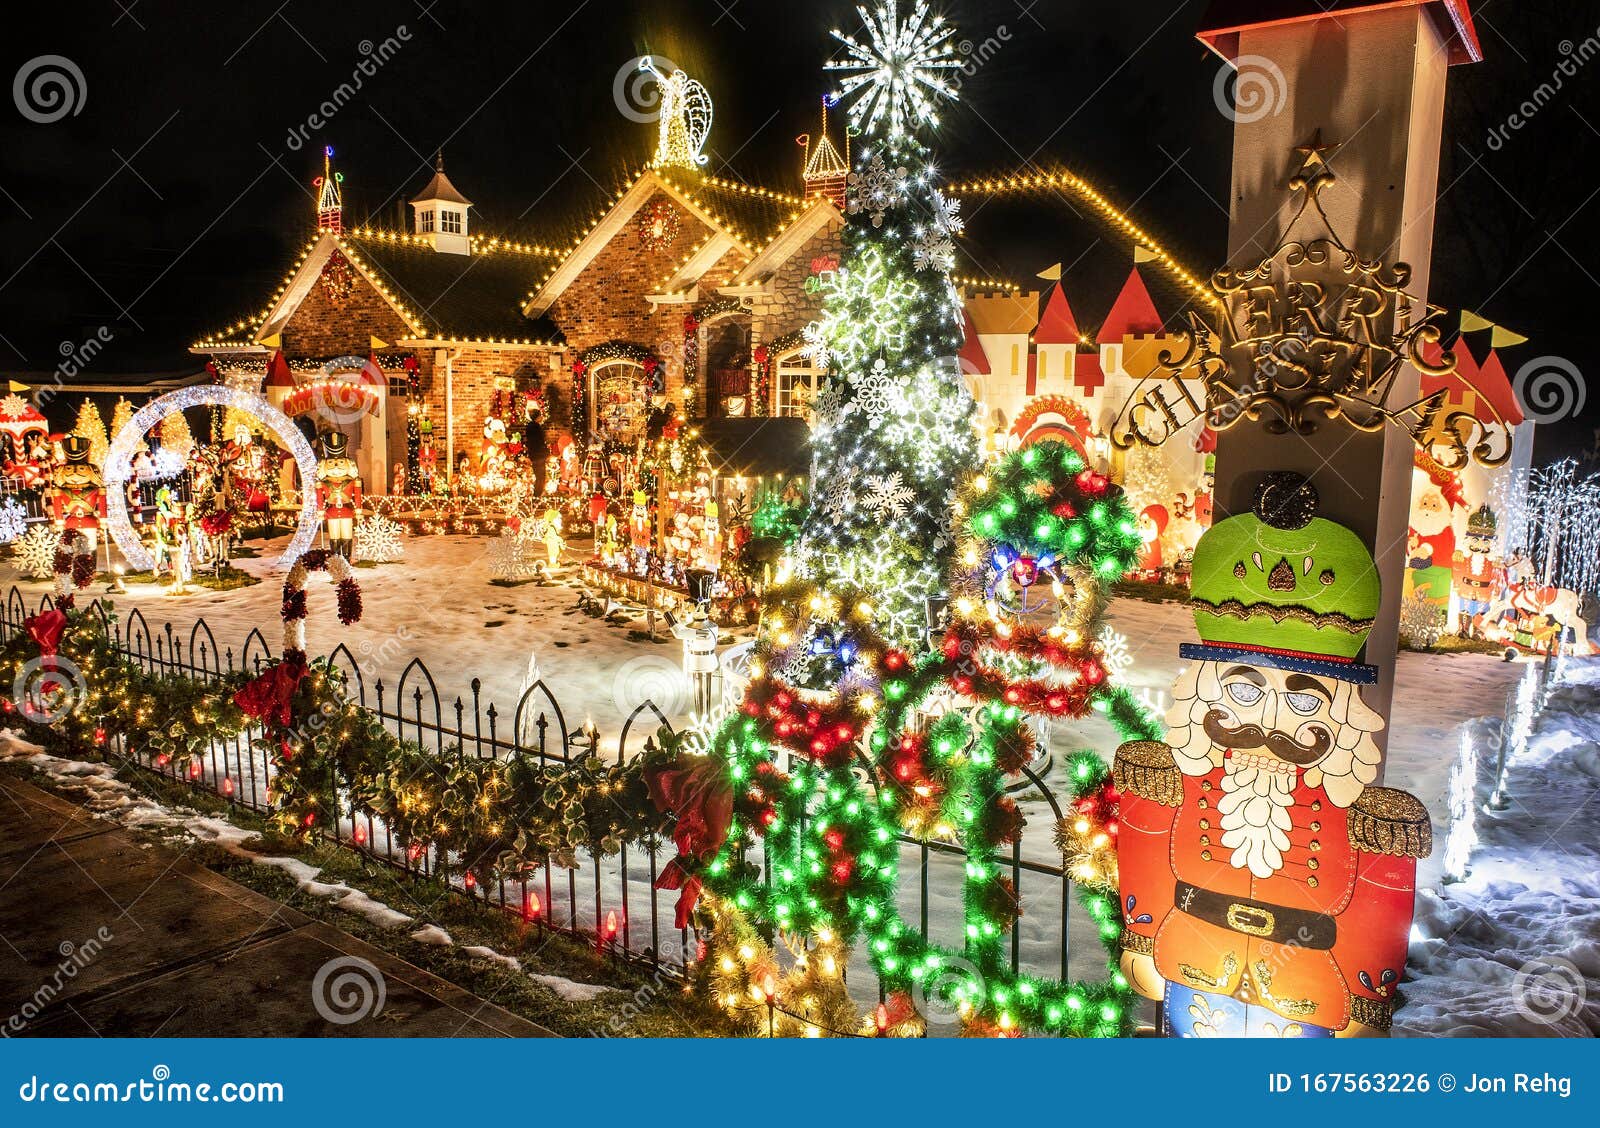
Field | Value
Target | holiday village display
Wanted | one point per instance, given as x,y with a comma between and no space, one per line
1266,884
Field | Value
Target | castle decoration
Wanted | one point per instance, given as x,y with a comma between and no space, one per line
1266,883
826,171
1311,334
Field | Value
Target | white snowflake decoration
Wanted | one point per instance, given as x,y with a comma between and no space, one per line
933,250
876,394
36,552
840,497
895,79
378,539
13,521
876,189
1115,654
888,496
515,556
947,214
13,406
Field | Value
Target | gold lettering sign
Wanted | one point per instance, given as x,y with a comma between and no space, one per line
1310,334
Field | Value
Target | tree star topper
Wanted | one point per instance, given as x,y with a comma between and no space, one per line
885,78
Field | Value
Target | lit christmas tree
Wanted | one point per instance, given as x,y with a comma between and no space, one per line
91,426
843,673
121,415
176,436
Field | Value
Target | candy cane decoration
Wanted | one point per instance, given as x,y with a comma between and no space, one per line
294,596
73,567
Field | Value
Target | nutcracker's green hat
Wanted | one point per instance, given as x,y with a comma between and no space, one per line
1282,587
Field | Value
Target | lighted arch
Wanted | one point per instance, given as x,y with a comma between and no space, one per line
119,464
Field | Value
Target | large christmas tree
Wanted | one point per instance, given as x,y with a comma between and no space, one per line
867,718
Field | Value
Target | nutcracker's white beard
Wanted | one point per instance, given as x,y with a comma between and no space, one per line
1257,793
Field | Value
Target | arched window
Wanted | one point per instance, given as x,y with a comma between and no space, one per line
796,382
617,403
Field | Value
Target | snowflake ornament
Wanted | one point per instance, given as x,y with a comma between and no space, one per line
887,496
876,189
378,539
515,555
947,214
1114,652
876,395
931,249
840,497
36,552
894,80
13,521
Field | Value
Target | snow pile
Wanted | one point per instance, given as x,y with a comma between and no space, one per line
1515,949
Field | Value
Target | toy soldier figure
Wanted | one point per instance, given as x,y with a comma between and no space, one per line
338,492
1266,884
1478,576
76,493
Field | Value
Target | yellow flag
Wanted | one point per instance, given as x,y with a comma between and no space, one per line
273,342
1504,338
1472,323
377,342
16,387
1051,273
1142,253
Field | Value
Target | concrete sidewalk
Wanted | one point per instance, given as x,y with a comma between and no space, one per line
102,935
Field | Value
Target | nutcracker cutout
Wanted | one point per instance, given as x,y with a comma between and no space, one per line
1266,885
1478,576
76,493
338,492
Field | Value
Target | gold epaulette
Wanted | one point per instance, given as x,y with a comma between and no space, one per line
1386,820
1146,768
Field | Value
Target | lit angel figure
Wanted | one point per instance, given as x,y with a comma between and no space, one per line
685,121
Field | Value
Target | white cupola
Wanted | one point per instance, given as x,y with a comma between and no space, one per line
441,214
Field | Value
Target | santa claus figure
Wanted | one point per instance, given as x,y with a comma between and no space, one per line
338,492
1431,545
1266,884
76,495
1152,524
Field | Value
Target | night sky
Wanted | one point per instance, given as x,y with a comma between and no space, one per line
173,201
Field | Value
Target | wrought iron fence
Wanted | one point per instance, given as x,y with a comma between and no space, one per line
603,898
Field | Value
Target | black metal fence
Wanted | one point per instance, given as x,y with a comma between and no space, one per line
610,901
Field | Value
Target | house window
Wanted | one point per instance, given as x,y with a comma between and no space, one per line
1016,361
398,386
1044,365
450,222
426,219
797,384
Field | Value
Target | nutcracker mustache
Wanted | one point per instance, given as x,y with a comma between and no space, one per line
1280,744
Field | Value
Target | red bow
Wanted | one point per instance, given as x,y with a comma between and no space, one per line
45,629
700,797
677,876
270,697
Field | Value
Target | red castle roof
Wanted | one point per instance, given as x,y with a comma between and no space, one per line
1133,313
1056,325
973,359
1485,385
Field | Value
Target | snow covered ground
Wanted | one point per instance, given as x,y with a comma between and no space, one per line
1515,948
438,604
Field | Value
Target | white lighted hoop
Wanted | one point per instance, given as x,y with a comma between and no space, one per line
119,464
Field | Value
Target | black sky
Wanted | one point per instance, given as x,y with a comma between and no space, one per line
173,202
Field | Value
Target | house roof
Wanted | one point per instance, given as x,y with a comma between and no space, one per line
1132,314
440,188
1057,326
1226,19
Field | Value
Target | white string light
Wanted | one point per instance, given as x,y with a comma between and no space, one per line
119,464
886,76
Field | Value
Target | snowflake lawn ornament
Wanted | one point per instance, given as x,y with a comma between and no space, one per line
515,555
36,552
377,539
894,80
13,521
1114,652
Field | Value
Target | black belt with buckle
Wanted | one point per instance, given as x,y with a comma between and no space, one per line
1278,923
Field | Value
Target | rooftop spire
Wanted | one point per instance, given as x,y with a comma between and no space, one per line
330,196
825,170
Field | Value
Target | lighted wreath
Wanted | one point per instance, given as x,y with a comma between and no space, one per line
659,226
